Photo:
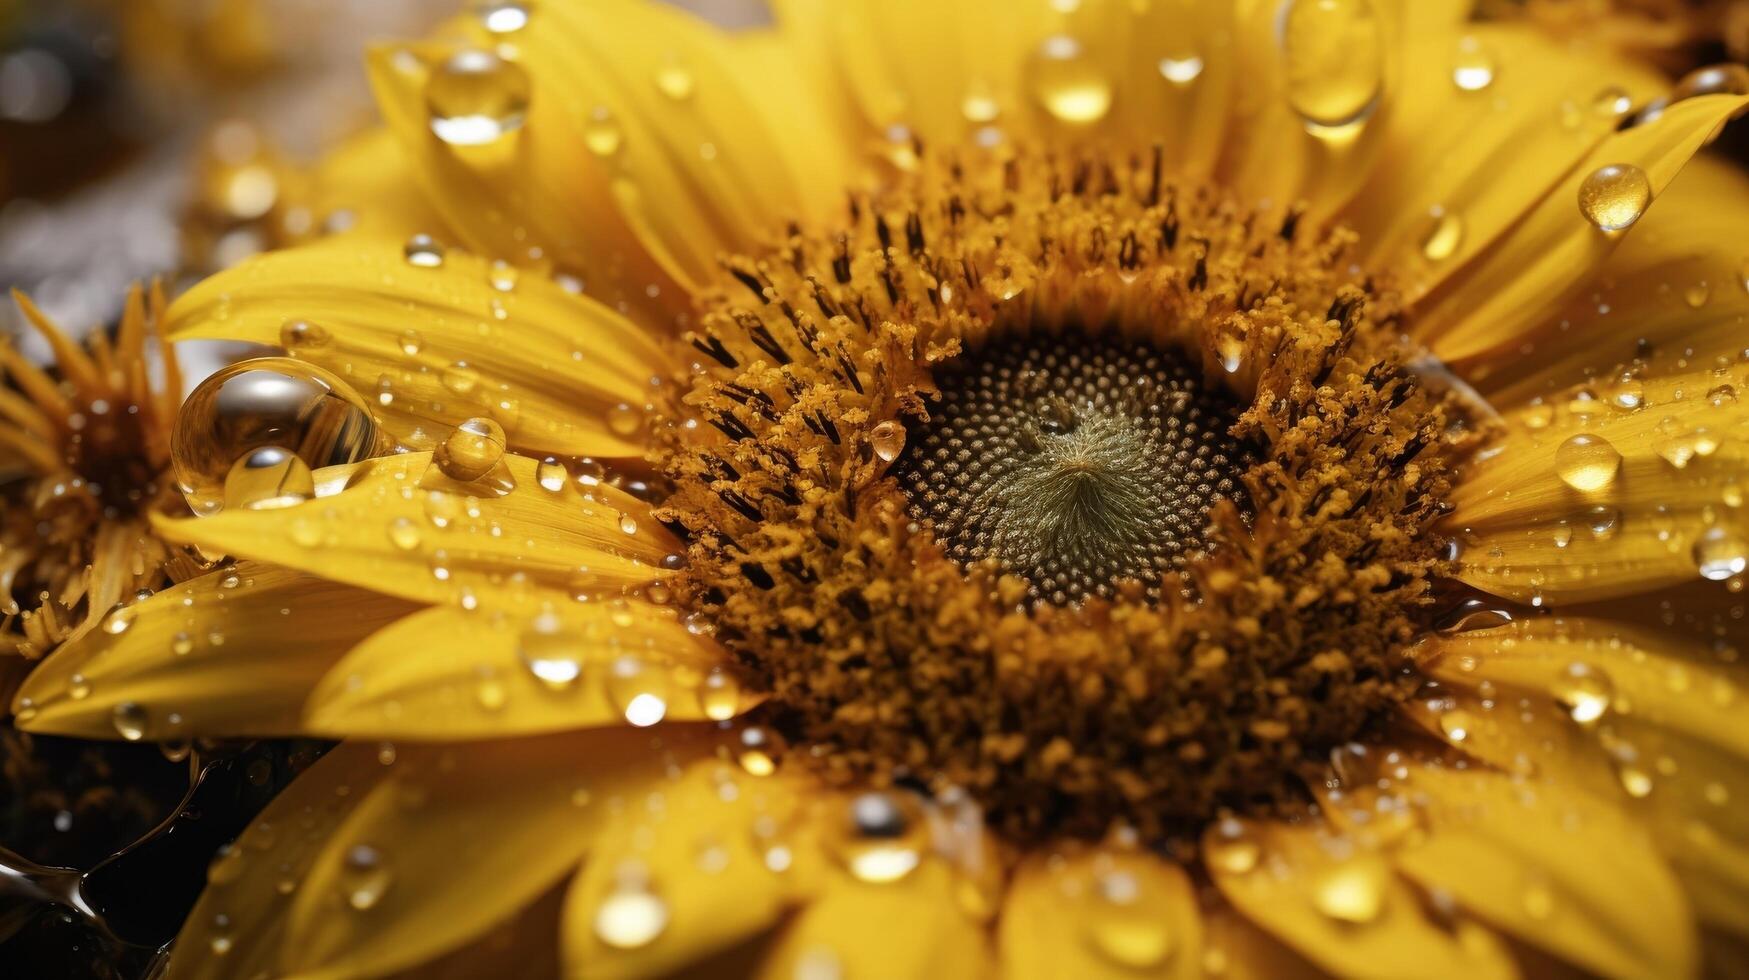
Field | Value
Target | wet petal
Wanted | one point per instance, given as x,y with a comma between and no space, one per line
390,888
1335,902
910,929
1241,951
399,528
1556,869
448,673
436,345
1607,491
361,187
1527,275
232,653
1100,913
668,887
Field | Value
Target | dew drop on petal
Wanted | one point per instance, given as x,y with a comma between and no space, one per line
472,450
550,654
638,690
1232,848
275,402
1445,233
1181,71
879,839
476,98
888,440
630,916
130,720
1615,196
1068,82
300,334
365,877
1720,554
602,133
1352,892
1474,68
1457,724
424,252
675,80
1585,691
1587,463
719,695
758,750
552,475
1333,53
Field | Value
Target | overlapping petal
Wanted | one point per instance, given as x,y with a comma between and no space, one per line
397,526
231,653
435,345
1093,914
450,673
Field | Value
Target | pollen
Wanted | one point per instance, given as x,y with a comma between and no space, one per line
1103,499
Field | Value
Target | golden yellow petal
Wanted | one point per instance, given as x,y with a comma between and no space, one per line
1608,491
1669,300
363,187
1238,950
459,838
446,542
238,926
1525,277
234,652
449,673
434,346
1556,869
910,929
1092,913
1335,901
667,888
1439,195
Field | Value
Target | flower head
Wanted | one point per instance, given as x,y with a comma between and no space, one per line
1054,488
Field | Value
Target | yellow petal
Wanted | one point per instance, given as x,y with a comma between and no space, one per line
362,187
1608,491
438,543
910,929
433,347
1239,950
1555,869
234,652
1526,276
1100,913
448,673
460,838
1479,160
667,888
1670,299
1336,902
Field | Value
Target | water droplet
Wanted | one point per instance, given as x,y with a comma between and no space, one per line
1232,848
403,533
472,450
1720,79
476,98
365,877
1603,522
1636,781
631,916
888,440
638,691
880,838
979,105
719,695
1444,235
502,16
1587,463
296,334
1457,724
182,644
268,478
550,654
1474,69
1069,83
1181,71
130,720
489,690
675,80
1585,691
1614,196
1697,295
552,475
1334,59
1352,892
625,420
1719,554
424,252
411,343
460,378
266,402
758,750
1123,930
602,133
78,688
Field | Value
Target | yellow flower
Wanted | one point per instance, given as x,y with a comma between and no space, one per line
85,453
1050,489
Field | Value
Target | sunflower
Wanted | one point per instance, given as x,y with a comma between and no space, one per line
85,452
1049,489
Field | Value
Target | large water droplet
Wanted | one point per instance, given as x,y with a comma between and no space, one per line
476,98
1474,68
880,837
1334,59
1720,553
719,695
1587,463
1181,70
1614,196
364,877
1585,691
274,402
631,915
268,478
758,750
550,654
639,691
1068,82
888,440
130,719
472,450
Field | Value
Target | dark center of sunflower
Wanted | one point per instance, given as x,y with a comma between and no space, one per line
1075,463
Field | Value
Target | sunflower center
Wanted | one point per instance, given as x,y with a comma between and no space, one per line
1074,463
